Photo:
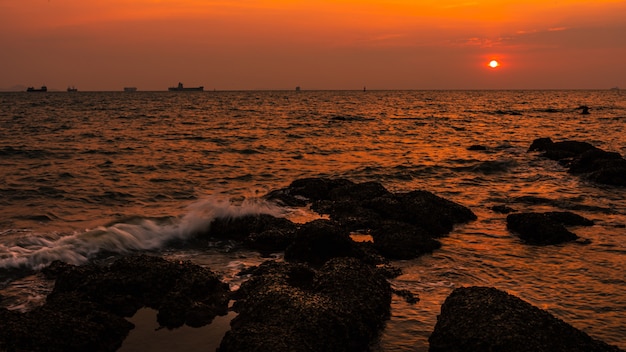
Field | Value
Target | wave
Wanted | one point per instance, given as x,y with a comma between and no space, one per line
131,234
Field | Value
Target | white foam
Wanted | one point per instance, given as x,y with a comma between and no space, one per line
36,252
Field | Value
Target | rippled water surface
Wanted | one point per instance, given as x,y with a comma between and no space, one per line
85,173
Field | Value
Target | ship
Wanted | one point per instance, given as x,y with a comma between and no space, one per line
180,88
130,89
72,89
33,89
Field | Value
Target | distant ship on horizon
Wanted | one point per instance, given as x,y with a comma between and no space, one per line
130,89
33,89
72,89
181,88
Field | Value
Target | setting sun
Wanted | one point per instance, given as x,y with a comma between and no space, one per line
494,64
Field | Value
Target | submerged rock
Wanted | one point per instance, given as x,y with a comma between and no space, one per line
290,307
487,319
86,309
545,228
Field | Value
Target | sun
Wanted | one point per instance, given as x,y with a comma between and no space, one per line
494,64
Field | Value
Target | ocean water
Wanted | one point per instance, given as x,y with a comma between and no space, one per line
89,173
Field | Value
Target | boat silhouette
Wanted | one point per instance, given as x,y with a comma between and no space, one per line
33,89
181,88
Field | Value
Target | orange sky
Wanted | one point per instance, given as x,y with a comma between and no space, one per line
316,44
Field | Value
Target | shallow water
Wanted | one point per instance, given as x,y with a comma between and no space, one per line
86,173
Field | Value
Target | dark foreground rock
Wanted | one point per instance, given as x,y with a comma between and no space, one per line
318,241
291,307
545,228
86,309
486,319
582,158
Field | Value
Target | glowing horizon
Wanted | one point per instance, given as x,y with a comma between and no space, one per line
318,45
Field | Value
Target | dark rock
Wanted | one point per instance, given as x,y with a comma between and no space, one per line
302,191
582,158
397,240
271,240
421,208
408,296
68,324
486,319
476,147
239,228
594,160
584,109
175,289
541,144
568,218
320,240
502,209
571,148
545,228
357,192
290,307
418,215
615,176
85,310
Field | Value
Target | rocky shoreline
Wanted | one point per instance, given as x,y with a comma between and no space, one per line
331,293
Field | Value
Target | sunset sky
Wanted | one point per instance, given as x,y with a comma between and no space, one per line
315,44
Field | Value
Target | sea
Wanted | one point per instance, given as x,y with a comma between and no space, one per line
90,175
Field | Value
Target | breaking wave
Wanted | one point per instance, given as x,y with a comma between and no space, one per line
131,234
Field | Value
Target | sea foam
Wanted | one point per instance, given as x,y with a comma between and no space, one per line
131,234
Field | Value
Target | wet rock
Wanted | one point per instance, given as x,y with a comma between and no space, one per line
396,240
583,159
545,228
434,214
68,324
417,216
291,307
487,319
86,309
318,241
613,175
594,160
239,228
559,150
476,147
271,240
302,191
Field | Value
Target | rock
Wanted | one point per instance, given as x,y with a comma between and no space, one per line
487,319
318,241
545,228
559,150
301,191
291,307
239,228
476,147
567,218
502,209
396,240
417,216
594,160
586,160
86,309
67,325
434,214
615,176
